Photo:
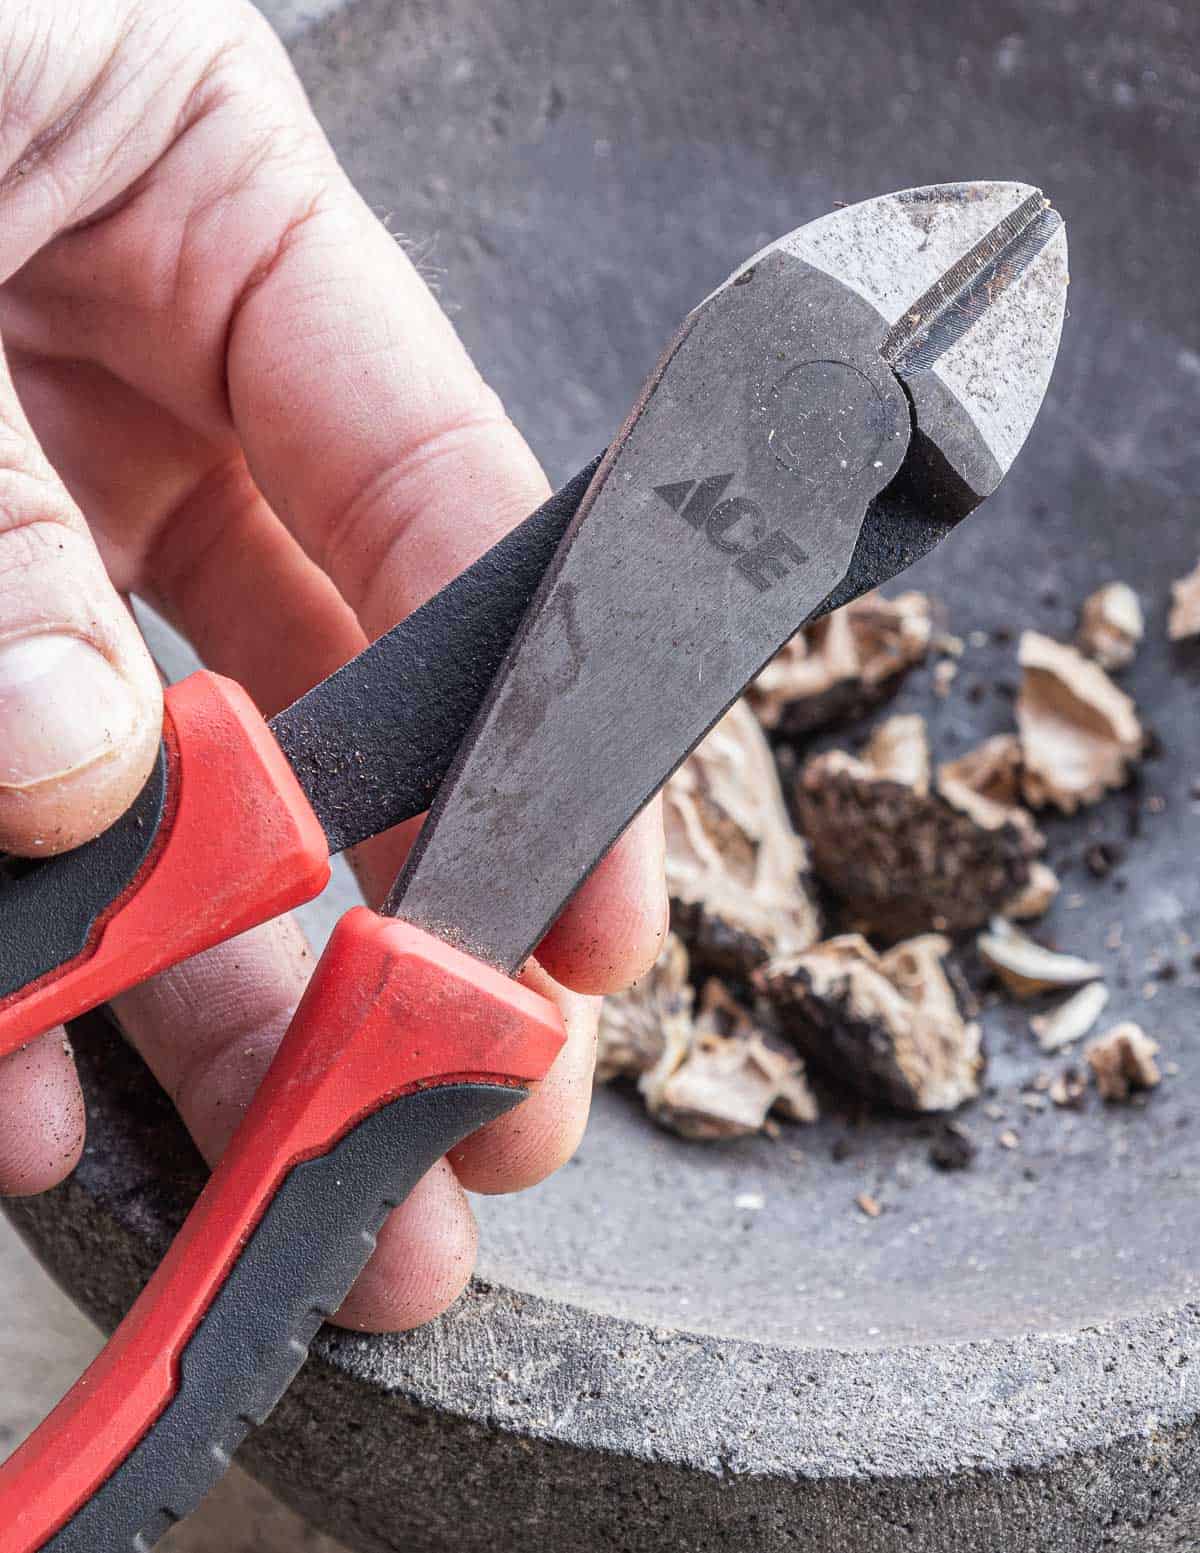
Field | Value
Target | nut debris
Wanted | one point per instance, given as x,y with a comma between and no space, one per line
656,1012
844,664
1069,1088
720,1079
1036,899
1071,1020
1184,619
1027,967
1111,625
1123,1060
944,676
1079,733
906,855
899,752
991,771
705,1072
887,1025
736,869
986,782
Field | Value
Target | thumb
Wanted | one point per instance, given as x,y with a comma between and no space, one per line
80,701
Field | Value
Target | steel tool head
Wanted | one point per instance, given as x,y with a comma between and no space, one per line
972,279
823,418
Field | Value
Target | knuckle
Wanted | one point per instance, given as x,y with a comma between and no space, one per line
24,56
247,77
30,549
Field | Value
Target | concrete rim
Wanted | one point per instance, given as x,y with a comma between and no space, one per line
1082,1392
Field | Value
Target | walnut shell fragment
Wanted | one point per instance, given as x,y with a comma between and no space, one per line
1123,1060
639,1023
1111,625
889,1025
720,1078
737,871
992,770
1068,1089
1079,733
1036,898
905,855
1184,619
1028,968
842,666
706,1073
1072,1019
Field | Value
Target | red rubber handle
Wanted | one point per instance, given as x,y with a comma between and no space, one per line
391,1014
239,844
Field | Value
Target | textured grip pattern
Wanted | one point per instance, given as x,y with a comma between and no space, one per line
295,1271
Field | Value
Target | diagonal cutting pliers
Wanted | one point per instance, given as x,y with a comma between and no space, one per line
820,422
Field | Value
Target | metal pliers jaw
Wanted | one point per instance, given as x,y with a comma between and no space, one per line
970,284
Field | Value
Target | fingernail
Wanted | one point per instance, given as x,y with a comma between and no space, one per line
62,706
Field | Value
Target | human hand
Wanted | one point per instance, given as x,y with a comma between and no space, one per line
227,389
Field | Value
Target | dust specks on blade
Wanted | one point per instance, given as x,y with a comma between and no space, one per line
971,279
895,248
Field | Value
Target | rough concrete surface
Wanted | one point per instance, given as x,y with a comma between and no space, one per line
1007,1358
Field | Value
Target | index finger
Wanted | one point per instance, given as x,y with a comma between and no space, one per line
373,436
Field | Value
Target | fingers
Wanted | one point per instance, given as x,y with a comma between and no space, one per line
80,705
527,1145
42,1119
208,1031
236,583
422,1261
371,433
366,426
612,929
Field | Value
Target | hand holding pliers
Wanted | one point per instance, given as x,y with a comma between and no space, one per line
819,423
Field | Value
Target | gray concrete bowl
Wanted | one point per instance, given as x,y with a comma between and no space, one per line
681,1347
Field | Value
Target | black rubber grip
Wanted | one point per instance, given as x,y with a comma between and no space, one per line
48,912
372,742
295,1271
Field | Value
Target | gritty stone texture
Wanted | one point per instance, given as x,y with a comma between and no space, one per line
1006,1360
292,17
44,1342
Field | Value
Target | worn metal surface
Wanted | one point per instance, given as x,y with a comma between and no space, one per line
1006,1361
